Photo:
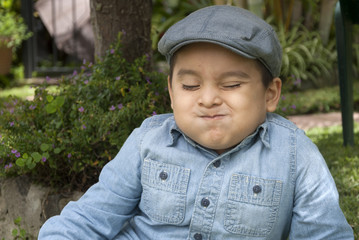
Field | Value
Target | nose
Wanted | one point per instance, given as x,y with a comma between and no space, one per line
210,96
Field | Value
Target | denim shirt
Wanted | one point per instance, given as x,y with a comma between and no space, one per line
162,185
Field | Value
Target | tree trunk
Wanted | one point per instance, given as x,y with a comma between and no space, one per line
132,18
326,18
297,12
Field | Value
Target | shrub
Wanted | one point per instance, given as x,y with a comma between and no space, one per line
64,139
305,57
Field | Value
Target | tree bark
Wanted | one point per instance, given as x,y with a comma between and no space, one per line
297,12
326,19
132,18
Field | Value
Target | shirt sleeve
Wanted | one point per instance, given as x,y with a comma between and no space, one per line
103,210
316,211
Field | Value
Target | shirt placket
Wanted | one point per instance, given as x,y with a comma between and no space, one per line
206,200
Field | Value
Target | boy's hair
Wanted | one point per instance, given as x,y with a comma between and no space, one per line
267,77
233,28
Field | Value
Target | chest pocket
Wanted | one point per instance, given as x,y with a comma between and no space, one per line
164,191
252,206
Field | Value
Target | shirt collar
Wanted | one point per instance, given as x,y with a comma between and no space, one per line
261,132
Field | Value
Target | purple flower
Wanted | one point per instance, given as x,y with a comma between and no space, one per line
297,82
284,109
81,109
294,107
86,81
118,78
17,154
148,80
14,151
154,113
12,124
112,108
8,166
48,79
32,107
43,159
120,106
112,51
69,155
84,61
83,126
74,73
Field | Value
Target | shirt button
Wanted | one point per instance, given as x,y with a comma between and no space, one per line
217,163
257,189
163,175
198,236
205,202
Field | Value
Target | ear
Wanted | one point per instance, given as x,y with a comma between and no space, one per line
273,94
169,86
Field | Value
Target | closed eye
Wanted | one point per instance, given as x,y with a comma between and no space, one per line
190,87
231,86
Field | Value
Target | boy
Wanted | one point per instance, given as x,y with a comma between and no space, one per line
221,166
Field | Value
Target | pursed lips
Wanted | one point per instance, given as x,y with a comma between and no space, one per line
212,116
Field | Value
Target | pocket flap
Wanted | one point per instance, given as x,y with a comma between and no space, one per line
164,176
255,190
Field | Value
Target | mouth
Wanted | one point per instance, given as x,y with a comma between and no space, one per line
213,117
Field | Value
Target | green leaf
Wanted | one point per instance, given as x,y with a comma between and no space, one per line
50,108
44,147
49,98
57,150
17,221
22,233
20,162
60,100
28,161
37,156
31,165
14,232
46,155
25,156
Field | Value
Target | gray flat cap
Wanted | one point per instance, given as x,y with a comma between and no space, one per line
231,27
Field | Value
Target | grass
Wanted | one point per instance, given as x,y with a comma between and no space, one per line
22,92
343,163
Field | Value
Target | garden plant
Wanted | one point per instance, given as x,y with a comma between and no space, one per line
64,139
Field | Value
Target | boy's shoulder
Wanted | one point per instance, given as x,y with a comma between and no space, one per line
280,121
158,121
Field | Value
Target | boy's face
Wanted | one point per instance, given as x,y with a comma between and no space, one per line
217,96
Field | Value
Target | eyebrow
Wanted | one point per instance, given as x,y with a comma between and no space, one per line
183,72
238,74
